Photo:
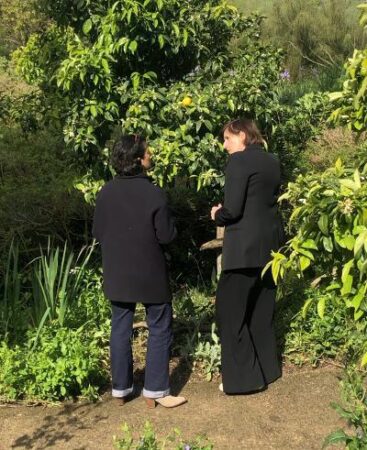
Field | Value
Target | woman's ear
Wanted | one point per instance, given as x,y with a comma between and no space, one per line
146,160
243,137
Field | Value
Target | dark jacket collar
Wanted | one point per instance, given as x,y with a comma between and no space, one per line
254,147
250,147
130,177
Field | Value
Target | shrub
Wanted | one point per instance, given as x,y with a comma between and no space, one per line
36,195
333,143
66,363
329,244
305,337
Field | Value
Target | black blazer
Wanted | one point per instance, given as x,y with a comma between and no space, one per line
131,221
249,213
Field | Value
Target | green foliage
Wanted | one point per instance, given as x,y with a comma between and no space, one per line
18,20
195,335
295,126
154,69
352,100
208,352
67,363
57,280
314,33
331,144
329,243
11,302
330,220
305,337
60,358
36,195
354,389
148,440
119,48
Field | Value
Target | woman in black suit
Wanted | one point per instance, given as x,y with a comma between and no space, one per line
131,222
245,301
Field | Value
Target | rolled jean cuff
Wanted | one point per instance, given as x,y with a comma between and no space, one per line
155,394
119,393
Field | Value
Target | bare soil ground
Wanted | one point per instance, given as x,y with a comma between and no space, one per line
293,413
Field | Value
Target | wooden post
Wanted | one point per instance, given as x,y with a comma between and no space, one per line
216,244
220,235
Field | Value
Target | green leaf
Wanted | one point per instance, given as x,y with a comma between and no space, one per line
133,46
309,243
306,307
347,285
93,110
323,224
338,164
360,241
176,29
87,26
161,41
357,177
321,307
185,37
349,184
349,241
304,262
334,438
346,269
364,360
105,65
328,244
231,105
275,267
357,315
357,299
295,212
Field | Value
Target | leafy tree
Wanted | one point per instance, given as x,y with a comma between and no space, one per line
18,20
352,100
127,62
165,69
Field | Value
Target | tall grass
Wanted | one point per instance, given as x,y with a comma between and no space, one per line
42,292
10,292
57,278
56,281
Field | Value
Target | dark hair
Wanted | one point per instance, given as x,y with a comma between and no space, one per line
127,154
248,126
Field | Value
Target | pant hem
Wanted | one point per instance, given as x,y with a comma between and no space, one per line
155,394
119,393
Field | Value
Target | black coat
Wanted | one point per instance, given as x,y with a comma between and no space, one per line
131,221
250,215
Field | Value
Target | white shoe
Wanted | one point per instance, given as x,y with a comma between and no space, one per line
220,387
169,401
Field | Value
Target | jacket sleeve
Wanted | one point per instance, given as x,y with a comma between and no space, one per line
235,191
164,225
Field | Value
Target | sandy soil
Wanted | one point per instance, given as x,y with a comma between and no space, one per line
293,413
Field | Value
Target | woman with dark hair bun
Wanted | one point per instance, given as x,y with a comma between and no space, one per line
132,222
245,300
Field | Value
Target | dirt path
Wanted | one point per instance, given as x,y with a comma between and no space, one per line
294,413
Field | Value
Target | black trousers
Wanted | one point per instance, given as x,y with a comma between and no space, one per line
159,320
244,312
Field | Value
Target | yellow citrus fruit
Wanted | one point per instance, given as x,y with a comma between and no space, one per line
186,101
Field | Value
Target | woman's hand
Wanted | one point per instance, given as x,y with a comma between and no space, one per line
214,210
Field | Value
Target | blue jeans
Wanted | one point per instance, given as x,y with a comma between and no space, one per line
159,320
